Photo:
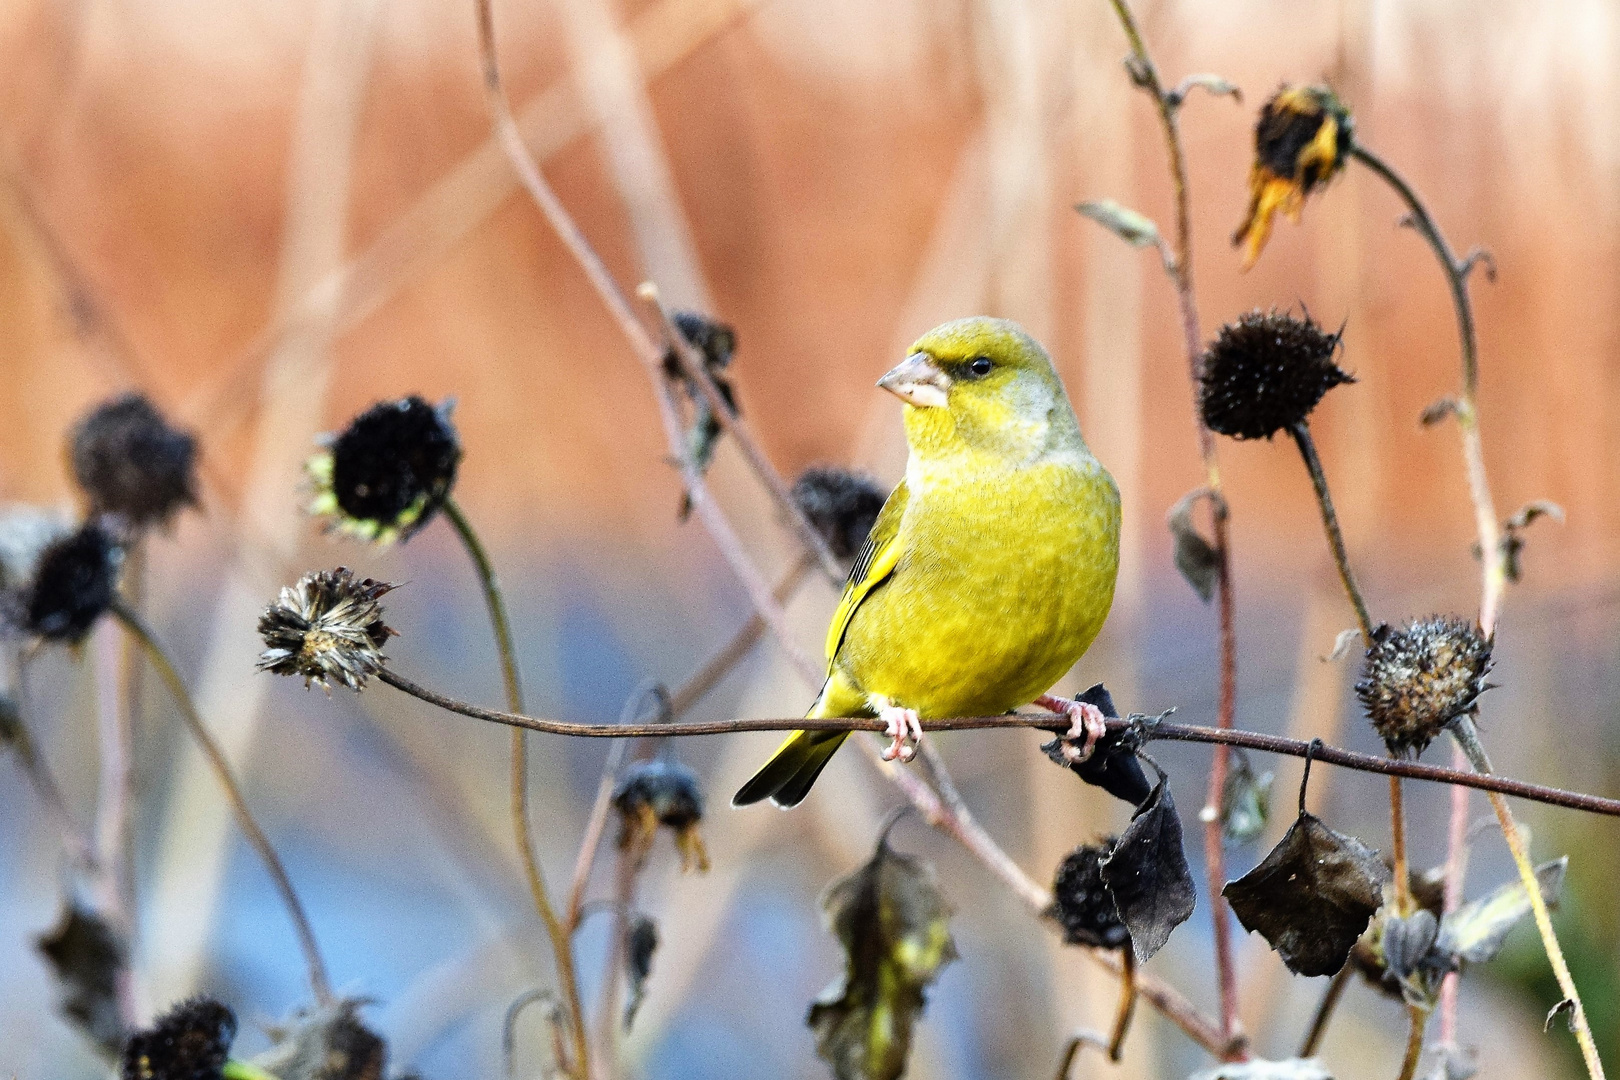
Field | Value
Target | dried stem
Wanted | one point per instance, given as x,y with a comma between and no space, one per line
1330,522
1397,848
561,940
319,984
1127,1004
1167,103
1418,1018
1467,737
1071,1050
75,839
1324,1011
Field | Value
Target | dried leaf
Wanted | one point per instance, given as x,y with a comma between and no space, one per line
1311,897
1565,1007
1213,84
1292,1069
1245,801
1342,643
640,942
1147,873
86,957
1475,931
329,1043
1438,411
1195,557
1130,226
1512,542
892,923
1113,765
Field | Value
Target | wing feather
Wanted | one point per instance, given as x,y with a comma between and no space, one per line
873,564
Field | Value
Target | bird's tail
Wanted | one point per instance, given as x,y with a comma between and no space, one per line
786,778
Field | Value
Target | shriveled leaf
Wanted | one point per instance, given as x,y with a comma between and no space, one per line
640,942
1475,931
1342,643
1512,542
893,925
1212,84
1245,801
1113,765
1147,873
329,1043
1292,1069
1311,897
1133,228
86,957
1195,558
1438,411
1566,1009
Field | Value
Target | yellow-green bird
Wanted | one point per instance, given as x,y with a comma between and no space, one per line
991,566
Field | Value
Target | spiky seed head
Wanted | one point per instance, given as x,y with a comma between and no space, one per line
328,625
1082,904
192,1041
131,463
73,582
842,506
1301,141
661,791
1419,678
384,476
1266,372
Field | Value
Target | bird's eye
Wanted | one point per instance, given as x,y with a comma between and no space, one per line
980,366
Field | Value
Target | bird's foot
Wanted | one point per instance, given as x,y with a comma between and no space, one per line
904,728
1085,720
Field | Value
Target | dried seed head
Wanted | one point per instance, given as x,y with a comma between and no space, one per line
842,505
1266,372
1083,904
192,1041
73,582
329,625
1300,142
1420,678
385,475
661,791
716,341
133,464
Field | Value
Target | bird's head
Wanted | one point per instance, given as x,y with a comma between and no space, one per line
982,385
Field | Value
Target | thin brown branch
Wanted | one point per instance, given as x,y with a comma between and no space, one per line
1324,1011
75,838
1330,523
1127,1005
1418,1018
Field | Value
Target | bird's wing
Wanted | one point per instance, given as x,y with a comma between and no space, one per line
873,564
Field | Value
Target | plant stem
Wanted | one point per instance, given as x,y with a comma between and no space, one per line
1127,1004
1467,736
1146,75
319,984
1418,1018
1330,522
561,940
1324,1011
75,840
1397,844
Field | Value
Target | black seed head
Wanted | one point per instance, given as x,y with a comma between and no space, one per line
661,791
842,505
133,464
1266,372
1083,904
192,1041
74,582
716,341
1421,677
329,625
389,471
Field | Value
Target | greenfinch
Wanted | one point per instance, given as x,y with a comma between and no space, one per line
991,567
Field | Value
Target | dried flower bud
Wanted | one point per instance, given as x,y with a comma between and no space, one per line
385,475
1300,141
655,792
73,582
329,625
842,505
1083,904
1266,372
133,464
192,1041
1418,679
715,342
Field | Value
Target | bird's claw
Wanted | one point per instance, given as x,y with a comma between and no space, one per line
904,728
1085,719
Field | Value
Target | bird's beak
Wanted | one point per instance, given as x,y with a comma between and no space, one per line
918,381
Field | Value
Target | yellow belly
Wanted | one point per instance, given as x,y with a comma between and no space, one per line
1002,585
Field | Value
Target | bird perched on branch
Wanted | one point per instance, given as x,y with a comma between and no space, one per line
990,568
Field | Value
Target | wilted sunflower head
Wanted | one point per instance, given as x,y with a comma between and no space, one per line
384,476
70,584
661,791
192,1041
1266,372
131,463
1421,677
328,625
1301,140
1082,904
841,505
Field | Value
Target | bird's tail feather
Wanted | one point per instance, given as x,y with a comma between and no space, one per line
786,778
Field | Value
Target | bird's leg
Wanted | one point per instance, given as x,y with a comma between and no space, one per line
1084,719
902,726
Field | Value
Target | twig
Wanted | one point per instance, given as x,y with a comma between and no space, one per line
1146,75
1127,1004
1152,730
1330,522
1324,1011
76,840
509,1027
561,940
319,984
1418,1018
1071,1050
